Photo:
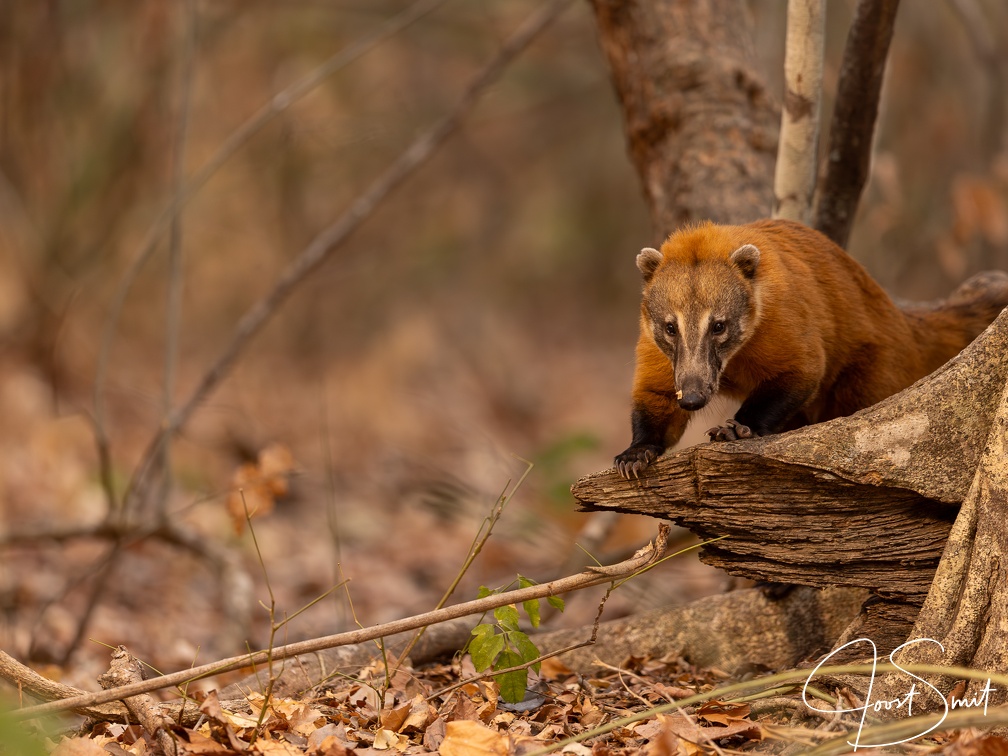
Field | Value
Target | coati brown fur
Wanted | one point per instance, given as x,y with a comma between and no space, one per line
777,316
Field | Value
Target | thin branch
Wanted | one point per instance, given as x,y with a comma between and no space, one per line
479,541
100,575
590,577
173,311
323,245
225,564
854,115
276,106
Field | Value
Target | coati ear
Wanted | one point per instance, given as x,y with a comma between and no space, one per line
746,258
648,261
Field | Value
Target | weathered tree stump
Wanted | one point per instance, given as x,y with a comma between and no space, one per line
864,501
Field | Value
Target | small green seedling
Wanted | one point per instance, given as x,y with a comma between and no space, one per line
503,644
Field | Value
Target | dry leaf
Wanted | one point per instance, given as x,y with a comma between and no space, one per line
81,747
721,713
412,716
299,716
554,669
275,748
386,739
972,742
434,734
200,745
256,487
689,731
469,738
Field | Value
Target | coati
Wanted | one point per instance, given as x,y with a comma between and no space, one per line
776,315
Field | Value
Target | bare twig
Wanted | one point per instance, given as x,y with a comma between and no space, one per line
275,107
235,586
591,576
482,536
326,242
100,574
542,657
854,115
174,303
126,669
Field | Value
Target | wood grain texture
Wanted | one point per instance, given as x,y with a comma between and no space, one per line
864,501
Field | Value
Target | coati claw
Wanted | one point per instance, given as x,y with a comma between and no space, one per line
635,460
732,430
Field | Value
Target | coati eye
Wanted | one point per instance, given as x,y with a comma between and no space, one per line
717,327
670,329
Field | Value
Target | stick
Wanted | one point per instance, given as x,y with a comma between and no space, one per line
590,577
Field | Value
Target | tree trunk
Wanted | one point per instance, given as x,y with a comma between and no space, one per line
966,610
797,153
864,501
848,156
700,124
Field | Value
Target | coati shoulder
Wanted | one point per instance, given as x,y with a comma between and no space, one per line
777,316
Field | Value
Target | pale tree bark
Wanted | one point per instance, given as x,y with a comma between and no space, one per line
701,126
966,610
795,174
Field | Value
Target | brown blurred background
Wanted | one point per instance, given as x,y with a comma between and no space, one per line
486,312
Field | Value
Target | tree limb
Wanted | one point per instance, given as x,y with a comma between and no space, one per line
808,506
795,171
854,114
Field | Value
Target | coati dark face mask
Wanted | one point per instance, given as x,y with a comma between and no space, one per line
701,312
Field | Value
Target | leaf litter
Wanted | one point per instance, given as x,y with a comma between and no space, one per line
363,715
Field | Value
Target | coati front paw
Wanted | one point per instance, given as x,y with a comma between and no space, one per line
636,458
732,430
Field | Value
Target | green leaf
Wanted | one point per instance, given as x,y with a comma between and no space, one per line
484,649
512,684
524,582
507,617
532,610
484,592
556,602
526,648
484,629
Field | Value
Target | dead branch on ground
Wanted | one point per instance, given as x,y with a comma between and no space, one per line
645,558
863,501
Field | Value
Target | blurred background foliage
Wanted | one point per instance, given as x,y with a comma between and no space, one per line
487,310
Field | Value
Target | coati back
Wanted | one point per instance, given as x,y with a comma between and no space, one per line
777,316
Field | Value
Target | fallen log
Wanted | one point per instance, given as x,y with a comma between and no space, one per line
864,501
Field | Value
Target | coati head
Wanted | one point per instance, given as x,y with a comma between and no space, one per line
701,307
